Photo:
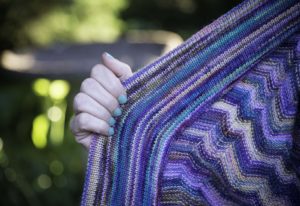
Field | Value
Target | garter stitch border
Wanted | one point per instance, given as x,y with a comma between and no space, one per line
213,122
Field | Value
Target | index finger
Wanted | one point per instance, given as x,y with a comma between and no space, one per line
110,82
120,69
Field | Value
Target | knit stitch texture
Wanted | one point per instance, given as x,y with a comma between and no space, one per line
213,122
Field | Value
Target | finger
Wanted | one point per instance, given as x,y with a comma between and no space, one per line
85,104
86,142
96,91
85,122
120,69
79,136
84,138
109,81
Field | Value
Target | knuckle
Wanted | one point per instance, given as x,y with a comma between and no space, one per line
97,69
82,121
78,101
114,84
87,84
126,67
78,139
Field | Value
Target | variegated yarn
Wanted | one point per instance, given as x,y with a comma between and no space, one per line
213,122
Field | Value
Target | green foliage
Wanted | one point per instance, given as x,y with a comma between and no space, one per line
14,16
83,21
37,22
52,175
181,16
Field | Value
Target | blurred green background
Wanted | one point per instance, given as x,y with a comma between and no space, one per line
40,163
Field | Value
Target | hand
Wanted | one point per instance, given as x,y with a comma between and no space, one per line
99,99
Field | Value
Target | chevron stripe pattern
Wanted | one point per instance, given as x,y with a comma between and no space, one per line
213,122
237,151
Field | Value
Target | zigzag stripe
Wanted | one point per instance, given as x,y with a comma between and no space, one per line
280,138
246,129
284,109
232,159
252,90
210,123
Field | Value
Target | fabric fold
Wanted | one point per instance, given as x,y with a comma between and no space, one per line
212,122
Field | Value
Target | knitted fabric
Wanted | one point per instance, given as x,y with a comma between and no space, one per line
213,122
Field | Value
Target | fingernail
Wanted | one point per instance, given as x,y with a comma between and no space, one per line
111,131
117,112
109,55
111,121
122,99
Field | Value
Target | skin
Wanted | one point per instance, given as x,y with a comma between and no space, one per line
98,98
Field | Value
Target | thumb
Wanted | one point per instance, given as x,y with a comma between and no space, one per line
120,69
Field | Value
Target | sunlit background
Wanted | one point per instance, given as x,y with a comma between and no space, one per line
46,49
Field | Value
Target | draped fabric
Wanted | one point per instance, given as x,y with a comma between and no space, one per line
213,122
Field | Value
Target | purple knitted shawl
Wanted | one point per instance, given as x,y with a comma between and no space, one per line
213,122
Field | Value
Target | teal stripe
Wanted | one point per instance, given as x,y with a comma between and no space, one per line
185,72
216,89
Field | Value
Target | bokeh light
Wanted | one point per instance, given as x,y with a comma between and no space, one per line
44,181
54,113
59,89
41,87
39,131
56,167
54,94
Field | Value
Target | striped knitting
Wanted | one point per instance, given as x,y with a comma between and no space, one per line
213,122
